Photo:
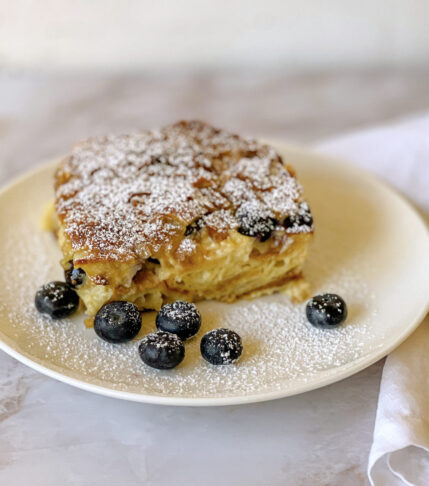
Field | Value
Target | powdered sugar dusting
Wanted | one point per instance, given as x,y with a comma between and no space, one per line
132,196
186,247
278,344
181,311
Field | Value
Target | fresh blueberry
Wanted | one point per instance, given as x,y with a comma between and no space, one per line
255,222
75,277
162,350
302,217
118,321
221,346
326,311
181,318
57,299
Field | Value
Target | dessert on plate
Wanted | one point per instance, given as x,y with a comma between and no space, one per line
189,212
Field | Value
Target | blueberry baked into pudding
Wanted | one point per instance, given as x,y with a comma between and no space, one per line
189,213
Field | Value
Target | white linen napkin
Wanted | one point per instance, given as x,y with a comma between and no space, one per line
399,454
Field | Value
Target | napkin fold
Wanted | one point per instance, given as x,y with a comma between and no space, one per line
399,455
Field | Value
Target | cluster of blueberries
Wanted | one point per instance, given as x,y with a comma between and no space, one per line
121,321
258,225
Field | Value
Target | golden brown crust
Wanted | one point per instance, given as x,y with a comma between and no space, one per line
129,197
188,212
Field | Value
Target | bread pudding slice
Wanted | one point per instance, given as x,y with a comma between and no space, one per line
188,212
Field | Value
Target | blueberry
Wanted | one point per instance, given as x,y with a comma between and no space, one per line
302,217
75,277
162,350
221,346
57,299
195,226
118,321
326,311
256,222
181,318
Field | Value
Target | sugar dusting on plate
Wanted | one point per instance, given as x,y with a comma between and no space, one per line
280,347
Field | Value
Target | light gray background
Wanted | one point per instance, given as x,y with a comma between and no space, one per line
142,34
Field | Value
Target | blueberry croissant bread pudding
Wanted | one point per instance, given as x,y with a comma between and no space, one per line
188,212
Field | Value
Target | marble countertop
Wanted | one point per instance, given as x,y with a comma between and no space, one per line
54,434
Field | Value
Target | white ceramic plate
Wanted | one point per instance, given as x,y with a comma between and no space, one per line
370,246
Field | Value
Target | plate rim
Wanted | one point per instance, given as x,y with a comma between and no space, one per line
334,374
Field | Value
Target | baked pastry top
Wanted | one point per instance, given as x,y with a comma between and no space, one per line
127,204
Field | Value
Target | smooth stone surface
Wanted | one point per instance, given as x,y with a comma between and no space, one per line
56,434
